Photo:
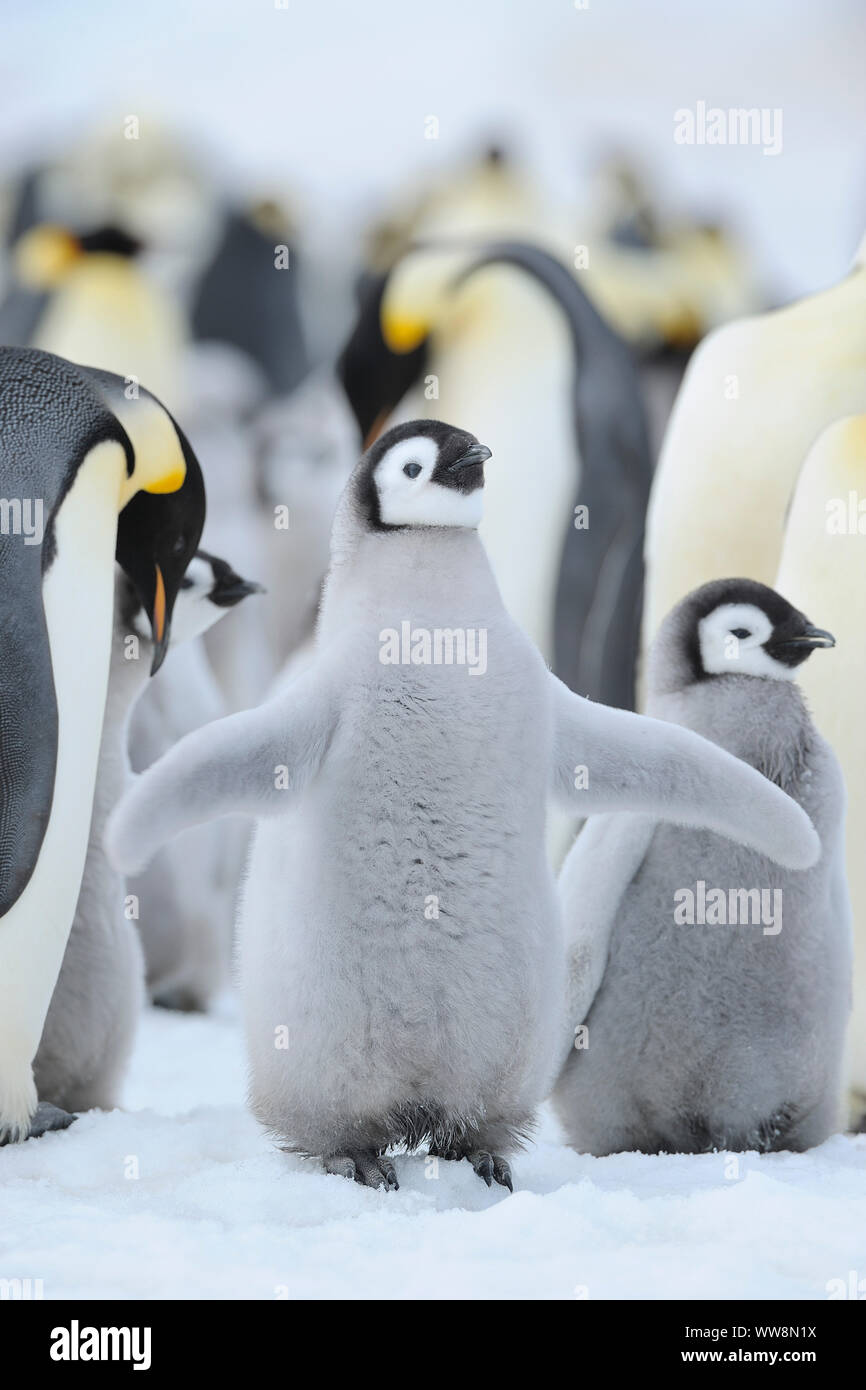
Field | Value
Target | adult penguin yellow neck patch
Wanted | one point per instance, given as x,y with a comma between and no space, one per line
402,333
160,466
45,255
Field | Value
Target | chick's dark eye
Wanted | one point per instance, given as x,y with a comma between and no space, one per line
411,469
740,632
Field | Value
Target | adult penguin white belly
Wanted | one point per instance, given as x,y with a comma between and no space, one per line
756,395
515,349
824,562
70,441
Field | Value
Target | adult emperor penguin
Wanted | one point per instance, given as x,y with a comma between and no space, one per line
85,296
756,395
719,1019
662,279
85,473
400,946
90,1028
514,342
822,568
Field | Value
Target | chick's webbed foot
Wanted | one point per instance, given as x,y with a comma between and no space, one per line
367,1168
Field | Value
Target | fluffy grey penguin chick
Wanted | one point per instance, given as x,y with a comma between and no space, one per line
402,962
90,1027
713,1035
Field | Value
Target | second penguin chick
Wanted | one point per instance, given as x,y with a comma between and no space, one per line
90,1028
714,984
187,932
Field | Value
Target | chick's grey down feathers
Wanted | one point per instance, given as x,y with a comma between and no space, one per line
400,946
704,1036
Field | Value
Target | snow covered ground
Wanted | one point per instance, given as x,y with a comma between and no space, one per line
182,1197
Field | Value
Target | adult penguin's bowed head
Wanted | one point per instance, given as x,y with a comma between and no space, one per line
85,474
400,927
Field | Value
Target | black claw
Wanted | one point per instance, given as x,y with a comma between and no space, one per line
340,1165
391,1180
504,1179
484,1169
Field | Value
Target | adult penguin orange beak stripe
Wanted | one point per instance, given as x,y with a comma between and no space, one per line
159,608
109,478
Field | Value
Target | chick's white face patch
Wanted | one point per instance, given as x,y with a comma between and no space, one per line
408,497
194,611
731,640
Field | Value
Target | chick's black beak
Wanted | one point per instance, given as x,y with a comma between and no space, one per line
230,589
811,638
475,454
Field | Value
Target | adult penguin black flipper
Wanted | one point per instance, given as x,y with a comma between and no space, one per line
74,451
241,301
600,589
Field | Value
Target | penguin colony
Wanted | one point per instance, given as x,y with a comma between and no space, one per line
381,737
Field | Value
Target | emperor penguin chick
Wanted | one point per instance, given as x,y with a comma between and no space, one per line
402,967
90,1027
721,981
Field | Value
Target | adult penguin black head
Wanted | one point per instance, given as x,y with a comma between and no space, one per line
158,530
157,536
75,453
46,253
374,377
